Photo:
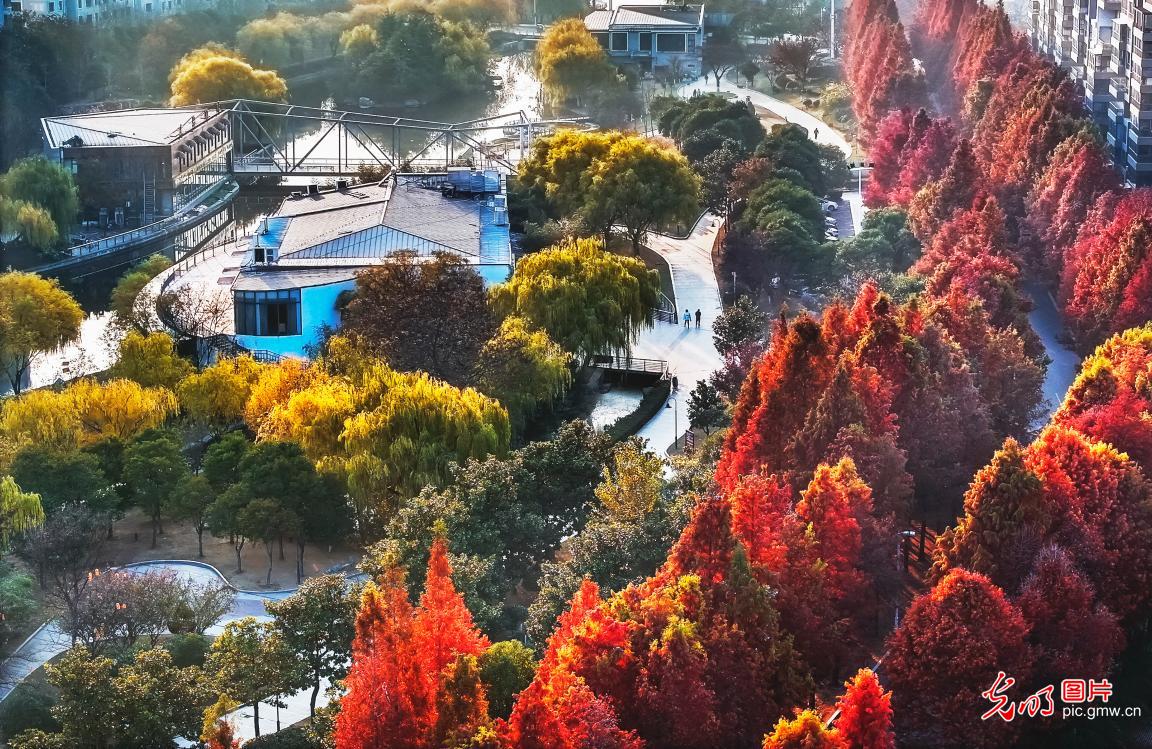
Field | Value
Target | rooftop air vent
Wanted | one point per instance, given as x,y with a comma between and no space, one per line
313,189
296,194
341,184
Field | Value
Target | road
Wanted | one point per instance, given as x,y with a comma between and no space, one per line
1065,363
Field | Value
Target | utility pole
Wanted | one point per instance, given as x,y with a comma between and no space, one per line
832,29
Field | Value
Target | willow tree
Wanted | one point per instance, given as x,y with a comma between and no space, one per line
589,300
20,511
523,368
570,62
387,433
214,73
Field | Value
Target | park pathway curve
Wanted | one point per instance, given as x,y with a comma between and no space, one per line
690,352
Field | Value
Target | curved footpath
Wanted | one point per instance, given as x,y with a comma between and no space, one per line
48,642
690,353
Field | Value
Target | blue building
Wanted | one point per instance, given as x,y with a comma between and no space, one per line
666,39
304,256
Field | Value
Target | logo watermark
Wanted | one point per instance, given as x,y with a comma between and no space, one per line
1076,698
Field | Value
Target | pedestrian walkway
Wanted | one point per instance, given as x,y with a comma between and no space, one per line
690,352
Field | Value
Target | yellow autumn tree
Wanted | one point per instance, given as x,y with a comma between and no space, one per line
150,360
118,409
630,490
570,62
84,413
216,396
36,316
387,433
212,73
274,384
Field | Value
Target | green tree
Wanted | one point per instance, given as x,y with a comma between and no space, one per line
267,521
27,221
570,62
20,511
318,623
779,195
250,662
588,300
221,464
46,185
522,368
153,467
132,309
506,668
705,407
64,477
421,314
17,604
738,325
225,520
723,51
150,360
815,167
143,704
190,500
36,316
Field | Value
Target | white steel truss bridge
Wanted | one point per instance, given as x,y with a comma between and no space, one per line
270,139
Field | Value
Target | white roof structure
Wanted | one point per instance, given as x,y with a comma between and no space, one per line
127,127
658,17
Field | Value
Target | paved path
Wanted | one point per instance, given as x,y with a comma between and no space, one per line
1065,363
690,353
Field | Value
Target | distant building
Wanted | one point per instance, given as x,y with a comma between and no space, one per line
656,38
1106,47
136,166
96,11
302,258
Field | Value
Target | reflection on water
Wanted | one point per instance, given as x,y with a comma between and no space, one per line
612,405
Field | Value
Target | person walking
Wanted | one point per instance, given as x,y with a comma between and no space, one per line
815,133
697,319
687,319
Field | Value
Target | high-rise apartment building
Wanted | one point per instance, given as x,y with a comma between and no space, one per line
1106,46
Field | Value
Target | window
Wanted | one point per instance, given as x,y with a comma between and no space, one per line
645,41
619,41
691,42
670,42
602,39
268,313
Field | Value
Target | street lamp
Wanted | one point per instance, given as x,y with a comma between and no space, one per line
675,420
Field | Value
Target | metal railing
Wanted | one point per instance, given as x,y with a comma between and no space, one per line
630,364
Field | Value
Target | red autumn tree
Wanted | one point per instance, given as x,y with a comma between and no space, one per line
1078,173
925,160
956,190
805,731
1005,520
1107,282
1102,509
404,653
384,662
1074,637
1110,400
948,650
865,720
1004,363
775,400
761,516
833,506
887,147
444,626
879,64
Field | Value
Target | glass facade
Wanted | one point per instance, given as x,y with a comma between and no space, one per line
268,313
